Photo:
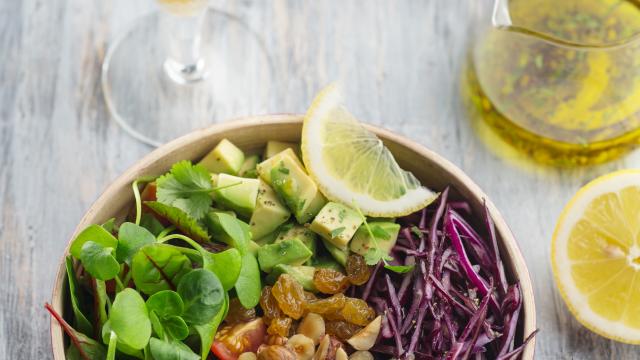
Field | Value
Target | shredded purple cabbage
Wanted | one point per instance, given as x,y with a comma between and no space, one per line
456,303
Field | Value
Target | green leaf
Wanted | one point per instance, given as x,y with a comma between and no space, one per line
400,269
152,224
416,231
109,225
248,286
95,233
228,229
374,255
380,233
101,299
187,187
156,324
173,350
208,331
113,343
166,303
131,238
226,265
80,320
122,347
158,267
202,294
337,231
176,327
83,347
129,319
180,219
99,261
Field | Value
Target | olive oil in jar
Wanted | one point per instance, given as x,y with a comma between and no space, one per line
567,91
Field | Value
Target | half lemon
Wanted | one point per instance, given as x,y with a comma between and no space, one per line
351,165
595,254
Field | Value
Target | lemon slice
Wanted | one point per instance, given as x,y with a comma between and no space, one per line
350,164
595,256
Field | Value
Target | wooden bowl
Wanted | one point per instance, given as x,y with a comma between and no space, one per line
251,134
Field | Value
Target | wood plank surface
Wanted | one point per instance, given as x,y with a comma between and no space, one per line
399,60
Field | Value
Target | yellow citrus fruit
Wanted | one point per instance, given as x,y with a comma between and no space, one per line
351,165
595,254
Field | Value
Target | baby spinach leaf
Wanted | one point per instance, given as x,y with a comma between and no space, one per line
82,346
202,294
165,303
122,347
129,319
226,265
95,233
152,224
228,229
131,238
176,327
187,187
207,331
180,219
173,350
81,323
158,267
248,285
99,261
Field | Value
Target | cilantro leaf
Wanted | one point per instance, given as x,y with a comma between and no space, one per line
400,269
416,231
337,231
380,233
186,187
180,219
374,255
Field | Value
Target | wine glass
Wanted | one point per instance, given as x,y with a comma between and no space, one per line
173,70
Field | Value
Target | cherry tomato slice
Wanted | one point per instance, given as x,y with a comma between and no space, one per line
233,340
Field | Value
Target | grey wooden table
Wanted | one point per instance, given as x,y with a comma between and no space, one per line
401,60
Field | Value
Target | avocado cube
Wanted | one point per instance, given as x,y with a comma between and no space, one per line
248,168
385,232
339,254
264,168
305,235
302,274
224,158
236,193
296,188
336,223
290,252
274,147
267,239
269,213
326,262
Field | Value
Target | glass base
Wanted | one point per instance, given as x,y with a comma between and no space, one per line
156,99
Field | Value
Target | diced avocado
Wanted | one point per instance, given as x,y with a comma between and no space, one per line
302,274
274,147
267,239
264,168
248,168
297,190
327,263
336,223
269,213
307,237
339,254
362,241
290,252
236,193
224,158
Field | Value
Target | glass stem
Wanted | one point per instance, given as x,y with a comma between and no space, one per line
185,63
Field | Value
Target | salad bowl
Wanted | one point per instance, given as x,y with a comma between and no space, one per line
251,134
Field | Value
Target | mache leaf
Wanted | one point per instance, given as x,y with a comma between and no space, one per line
226,265
95,233
208,330
99,261
180,219
150,223
202,294
166,303
131,238
171,350
187,187
122,347
248,286
228,229
129,319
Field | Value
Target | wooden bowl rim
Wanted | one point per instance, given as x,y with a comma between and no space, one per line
506,237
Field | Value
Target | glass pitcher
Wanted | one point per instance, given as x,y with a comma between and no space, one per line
558,79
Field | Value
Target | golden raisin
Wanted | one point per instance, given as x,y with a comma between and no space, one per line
330,281
280,326
357,270
341,329
269,305
356,311
290,296
331,304
238,314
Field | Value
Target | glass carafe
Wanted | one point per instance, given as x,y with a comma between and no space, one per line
558,79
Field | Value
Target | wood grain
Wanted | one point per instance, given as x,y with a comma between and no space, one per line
400,61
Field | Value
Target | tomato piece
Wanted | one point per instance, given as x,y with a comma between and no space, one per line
233,340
